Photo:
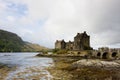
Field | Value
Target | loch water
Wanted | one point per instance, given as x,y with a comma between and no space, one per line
27,66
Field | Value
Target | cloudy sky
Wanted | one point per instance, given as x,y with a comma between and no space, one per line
44,21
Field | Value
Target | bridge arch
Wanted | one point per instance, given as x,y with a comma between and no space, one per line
114,54
105,55
98,54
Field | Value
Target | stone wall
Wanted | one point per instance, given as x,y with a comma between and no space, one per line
61,44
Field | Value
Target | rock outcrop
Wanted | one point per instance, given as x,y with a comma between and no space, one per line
96,64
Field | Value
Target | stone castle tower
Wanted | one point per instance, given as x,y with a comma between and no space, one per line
81,42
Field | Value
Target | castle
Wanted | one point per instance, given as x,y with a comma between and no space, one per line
81,42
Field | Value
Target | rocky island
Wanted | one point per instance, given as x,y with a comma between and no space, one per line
80,61
80,47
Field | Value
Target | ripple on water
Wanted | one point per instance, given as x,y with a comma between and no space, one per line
30,73
28,66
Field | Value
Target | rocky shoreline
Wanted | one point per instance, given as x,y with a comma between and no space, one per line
4,71
82,61
58,55
68,67
73,69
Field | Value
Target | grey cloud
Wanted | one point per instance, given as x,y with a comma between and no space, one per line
100,18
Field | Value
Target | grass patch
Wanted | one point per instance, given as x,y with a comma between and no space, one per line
59,51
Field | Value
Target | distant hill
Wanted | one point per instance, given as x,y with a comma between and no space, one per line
11,42
33,47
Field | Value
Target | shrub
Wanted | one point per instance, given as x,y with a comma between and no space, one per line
55,50
58,51
62,52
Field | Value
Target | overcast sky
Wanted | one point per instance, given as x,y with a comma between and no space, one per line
44,21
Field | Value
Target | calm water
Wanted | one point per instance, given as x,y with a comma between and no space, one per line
28,66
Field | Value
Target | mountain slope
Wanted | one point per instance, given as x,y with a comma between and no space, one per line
11,42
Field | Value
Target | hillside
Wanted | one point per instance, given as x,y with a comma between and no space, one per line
11,42
33,47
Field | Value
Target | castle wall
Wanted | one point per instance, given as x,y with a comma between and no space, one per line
69,45
86,42
81,42
58,45
63,45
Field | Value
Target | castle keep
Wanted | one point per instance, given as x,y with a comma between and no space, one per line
81,42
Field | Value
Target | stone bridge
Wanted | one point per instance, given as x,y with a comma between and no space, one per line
106,54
